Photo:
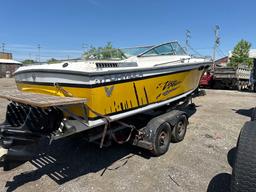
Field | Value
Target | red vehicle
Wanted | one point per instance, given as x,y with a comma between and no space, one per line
206,79
225,77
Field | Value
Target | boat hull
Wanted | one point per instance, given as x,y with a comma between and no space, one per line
110,98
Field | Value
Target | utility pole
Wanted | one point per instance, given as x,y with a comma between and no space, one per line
216,44
188,36
3,45
39,49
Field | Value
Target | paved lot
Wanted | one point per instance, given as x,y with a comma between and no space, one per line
199,163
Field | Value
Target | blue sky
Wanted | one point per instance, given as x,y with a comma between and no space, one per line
61,27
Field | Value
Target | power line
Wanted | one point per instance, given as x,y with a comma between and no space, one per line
218,53
222,51
196,52
188,37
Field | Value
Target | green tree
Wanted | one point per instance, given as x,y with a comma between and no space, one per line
28,61
240,54
106,52
52,61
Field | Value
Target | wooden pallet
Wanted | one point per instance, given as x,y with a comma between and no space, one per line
40,100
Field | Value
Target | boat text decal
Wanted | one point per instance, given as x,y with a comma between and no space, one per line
167,87
118,77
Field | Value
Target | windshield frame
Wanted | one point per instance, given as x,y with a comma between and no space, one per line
145,48
128,52
154,47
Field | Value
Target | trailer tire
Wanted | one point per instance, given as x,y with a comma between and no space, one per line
180,129
244,172
160,138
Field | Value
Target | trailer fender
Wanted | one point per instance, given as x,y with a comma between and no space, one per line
171,118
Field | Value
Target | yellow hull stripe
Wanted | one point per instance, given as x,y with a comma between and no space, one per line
125,96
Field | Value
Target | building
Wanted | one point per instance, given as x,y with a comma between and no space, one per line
7,65
4,55
222,61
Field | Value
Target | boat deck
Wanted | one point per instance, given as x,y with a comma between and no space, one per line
40,100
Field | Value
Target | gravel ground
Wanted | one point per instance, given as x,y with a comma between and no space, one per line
199,163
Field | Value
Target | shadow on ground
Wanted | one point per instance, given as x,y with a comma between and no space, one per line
244,112
221,181
70,158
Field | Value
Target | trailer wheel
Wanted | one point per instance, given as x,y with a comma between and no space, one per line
160,139
244,172
180,129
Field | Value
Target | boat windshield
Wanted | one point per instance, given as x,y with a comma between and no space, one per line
134,51
172,48
111,54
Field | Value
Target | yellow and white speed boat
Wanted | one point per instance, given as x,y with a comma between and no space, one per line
148,77
102,91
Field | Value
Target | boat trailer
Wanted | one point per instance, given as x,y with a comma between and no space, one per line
31,117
